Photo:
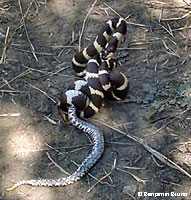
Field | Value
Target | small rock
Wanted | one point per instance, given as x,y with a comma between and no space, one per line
130,189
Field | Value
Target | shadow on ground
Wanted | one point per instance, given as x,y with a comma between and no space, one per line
154,55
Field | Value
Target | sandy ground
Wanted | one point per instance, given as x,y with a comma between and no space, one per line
38,39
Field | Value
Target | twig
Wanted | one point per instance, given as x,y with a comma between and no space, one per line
177,18
181,28
173,119
62,69
62,46
165,160
46,73
131,23
170,50
187,3
134,168
139,180
10,115
11,91
31,45
158,155
112,10
58,166
84,22
168,31
27,51
20,75
14,32
5,47
101,179
50,120
43,92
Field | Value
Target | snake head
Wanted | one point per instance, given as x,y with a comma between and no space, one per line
62,106
106,56
64,115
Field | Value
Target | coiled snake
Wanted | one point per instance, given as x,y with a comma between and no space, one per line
96,64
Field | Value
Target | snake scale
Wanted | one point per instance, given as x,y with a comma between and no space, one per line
96,65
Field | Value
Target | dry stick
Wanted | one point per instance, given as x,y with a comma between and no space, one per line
50,120
14,32
105,10
20,75
62,46
134,168
60,168
27,51
69,147
11,91
6,82
156,4
168,31
186,3
4,49
113,10
62,69
101,179
170,50
49,73
158,155
139,180
160,15
177,18
108,197
83,26
10,115
131,23
31,45
43,92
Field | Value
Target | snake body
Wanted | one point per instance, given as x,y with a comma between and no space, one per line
97,65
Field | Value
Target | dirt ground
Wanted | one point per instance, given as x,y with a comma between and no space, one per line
38,39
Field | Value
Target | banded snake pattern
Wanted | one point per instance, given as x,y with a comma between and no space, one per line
96,64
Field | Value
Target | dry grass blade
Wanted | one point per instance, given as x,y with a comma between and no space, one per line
177,18
13,34
104,177
139,180
131,23
170,50
84,22
37,53
50,120
167,30
20,75
5,47
165,160
100,180
43,92
26,31
58,166
11,91
62,69
158,155
10,115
